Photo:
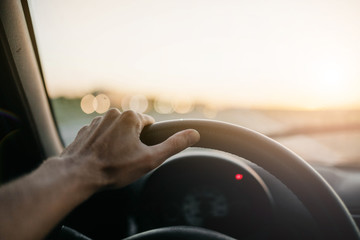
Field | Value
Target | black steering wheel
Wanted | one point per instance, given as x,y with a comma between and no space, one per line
327,209
180,233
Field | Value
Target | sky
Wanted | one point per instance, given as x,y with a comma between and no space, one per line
249,53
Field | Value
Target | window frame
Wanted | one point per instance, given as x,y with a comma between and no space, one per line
26,72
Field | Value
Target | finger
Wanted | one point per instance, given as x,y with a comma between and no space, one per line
106,120
133,121
85,130
82,134
176,143
146,119
96,121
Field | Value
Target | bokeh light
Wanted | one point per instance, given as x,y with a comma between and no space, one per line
101,103
90,103
163,105
210,112
138,103
125,103
87,104
182,106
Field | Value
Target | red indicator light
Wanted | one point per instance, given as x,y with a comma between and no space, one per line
239,176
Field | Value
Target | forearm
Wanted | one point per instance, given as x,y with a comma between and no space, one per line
107,153
32,205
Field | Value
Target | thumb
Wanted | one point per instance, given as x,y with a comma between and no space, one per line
176,143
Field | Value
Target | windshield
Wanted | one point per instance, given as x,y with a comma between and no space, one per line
288,69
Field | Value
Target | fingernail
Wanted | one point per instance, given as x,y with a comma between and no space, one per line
194,137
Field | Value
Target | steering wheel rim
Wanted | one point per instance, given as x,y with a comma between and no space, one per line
180,233
326,207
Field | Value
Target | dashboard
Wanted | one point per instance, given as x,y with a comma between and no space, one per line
207,190
212,190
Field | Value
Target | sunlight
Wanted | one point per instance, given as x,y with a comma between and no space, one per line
330,81
222,54
329,86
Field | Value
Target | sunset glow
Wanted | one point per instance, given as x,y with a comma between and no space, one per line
252,54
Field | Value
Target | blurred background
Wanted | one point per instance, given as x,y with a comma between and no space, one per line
288,69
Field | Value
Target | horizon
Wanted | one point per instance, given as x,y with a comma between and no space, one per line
116,102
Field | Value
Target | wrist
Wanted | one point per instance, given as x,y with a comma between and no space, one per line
77,176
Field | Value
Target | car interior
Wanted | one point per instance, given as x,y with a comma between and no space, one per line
259,171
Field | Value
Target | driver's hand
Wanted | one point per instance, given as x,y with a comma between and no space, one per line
110,153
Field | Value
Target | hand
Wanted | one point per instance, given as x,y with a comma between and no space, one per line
107,153
110,153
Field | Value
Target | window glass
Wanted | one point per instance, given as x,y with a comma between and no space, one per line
288,69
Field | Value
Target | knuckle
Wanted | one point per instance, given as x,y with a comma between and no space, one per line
82,130
130,116
96,120
130,113
112,113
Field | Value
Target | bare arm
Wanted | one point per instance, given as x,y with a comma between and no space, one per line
107,153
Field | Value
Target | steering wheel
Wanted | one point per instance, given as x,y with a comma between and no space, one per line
329,212
180,233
